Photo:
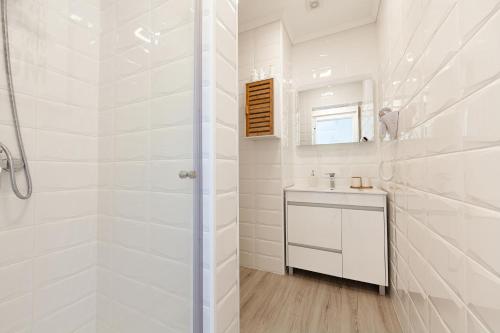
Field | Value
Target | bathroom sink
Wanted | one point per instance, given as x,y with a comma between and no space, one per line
339,189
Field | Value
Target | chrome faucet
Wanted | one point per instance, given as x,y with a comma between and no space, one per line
332,179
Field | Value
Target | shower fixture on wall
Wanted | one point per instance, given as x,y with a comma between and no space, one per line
7,162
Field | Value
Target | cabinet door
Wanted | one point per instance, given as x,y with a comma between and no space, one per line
315,226
260,108
363,246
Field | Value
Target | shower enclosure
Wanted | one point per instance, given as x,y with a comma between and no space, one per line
108,104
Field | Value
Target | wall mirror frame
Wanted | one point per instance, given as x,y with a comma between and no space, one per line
339,112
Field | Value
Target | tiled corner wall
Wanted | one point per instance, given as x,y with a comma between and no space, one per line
227,296
344,56
221,166
145,139
261,190
47,243
440,66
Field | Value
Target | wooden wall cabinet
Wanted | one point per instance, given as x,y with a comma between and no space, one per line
260,108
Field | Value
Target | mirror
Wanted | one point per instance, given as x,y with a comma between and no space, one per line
336,113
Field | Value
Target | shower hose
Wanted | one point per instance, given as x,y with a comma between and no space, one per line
10,166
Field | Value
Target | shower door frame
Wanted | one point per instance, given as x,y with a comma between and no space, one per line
197,166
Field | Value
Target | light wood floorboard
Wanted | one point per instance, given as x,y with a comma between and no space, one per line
312,303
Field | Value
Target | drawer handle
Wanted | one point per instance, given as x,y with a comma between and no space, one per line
319,248
324,205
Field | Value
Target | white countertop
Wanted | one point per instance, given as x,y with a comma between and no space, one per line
348,190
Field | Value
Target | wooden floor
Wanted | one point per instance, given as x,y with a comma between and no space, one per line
311,303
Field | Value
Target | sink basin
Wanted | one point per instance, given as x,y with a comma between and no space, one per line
336,190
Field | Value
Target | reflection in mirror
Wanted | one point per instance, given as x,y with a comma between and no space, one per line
340,113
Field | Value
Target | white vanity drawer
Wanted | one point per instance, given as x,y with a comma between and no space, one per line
315,226
340,199
315,260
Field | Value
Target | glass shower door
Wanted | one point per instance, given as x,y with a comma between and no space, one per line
149,249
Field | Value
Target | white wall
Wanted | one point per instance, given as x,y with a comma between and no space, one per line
221,166
47,243
440,66
261,170
345,56
227,297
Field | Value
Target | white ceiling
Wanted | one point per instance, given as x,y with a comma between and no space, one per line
304,24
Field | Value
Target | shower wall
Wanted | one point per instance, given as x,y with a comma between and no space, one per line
47,244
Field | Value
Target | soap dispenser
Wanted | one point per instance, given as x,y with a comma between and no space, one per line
313,179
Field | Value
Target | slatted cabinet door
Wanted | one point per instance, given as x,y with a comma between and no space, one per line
260,108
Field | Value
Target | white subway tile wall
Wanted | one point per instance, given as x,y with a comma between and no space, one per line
349,55
48,243
225,136
220,162
261,167
440,65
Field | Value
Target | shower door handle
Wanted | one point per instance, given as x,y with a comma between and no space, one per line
183,174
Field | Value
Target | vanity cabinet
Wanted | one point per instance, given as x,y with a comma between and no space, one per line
340,233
